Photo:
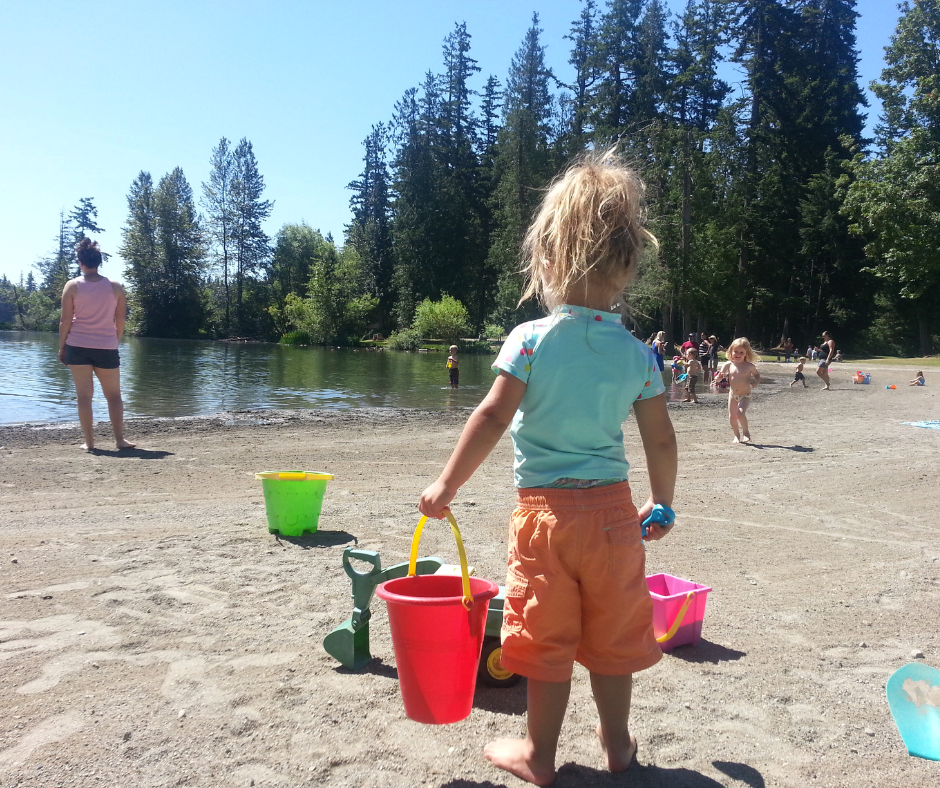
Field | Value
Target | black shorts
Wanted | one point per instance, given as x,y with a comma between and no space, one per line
92,357
454,376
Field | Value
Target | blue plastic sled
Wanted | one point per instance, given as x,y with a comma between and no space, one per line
914,700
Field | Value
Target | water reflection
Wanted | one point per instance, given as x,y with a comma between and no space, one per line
167,378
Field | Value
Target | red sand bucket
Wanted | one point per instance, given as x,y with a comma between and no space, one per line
678,610
437,624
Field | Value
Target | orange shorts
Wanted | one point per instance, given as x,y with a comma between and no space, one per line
576,588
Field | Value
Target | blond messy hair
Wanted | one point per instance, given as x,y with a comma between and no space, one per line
749,353
590,225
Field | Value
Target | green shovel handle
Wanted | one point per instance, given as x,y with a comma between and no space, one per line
369,556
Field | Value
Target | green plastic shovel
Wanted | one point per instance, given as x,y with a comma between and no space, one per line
914,700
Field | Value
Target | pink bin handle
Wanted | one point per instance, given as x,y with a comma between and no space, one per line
678,621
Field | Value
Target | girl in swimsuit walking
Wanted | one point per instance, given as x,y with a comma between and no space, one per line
742,377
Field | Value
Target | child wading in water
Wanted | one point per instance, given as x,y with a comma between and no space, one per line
798,375
693,375
452,367
742,377
576,587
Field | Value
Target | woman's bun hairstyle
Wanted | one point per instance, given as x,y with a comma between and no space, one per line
88,253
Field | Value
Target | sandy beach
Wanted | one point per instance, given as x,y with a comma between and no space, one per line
153,633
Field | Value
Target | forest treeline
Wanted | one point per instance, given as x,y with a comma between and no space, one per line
776,217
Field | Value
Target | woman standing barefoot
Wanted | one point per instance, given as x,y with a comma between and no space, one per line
827,352
92,324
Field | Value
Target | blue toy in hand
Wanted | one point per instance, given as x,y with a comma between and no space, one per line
660,514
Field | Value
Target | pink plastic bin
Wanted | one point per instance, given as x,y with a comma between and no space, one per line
669,594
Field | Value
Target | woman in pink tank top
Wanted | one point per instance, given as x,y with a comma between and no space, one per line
91,326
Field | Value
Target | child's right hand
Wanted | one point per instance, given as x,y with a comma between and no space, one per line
654,529
435,500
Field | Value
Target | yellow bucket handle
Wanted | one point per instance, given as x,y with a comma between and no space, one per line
464,572
678,621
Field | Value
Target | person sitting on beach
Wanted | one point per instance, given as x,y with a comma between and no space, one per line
452,367
919,380
567,598
742,377
798,375
90,329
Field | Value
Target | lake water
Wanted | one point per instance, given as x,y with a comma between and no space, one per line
169,378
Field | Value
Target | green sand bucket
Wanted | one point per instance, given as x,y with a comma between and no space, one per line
292,500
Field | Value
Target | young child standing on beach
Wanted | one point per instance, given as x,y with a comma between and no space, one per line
798,375
453,368
576,587
693,374
742,376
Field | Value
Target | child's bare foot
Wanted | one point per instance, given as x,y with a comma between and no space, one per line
87,447
515,757
746,439
618,759
736,439
123,444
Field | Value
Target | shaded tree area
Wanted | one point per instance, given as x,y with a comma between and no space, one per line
776,217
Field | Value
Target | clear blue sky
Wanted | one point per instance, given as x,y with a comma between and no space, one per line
93,92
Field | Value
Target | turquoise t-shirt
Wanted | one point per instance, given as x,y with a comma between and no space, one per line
583,371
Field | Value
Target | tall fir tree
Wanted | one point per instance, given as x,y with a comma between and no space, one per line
523,167
218,199
163,246
251,247
139,251
370,231
895,201
84,218
584,61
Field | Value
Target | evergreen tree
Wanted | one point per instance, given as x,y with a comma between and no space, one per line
583,59
895,201
84,219
61,265
163,247
415,187
616,57
370,231
251,246
219,202
523,167
139,250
